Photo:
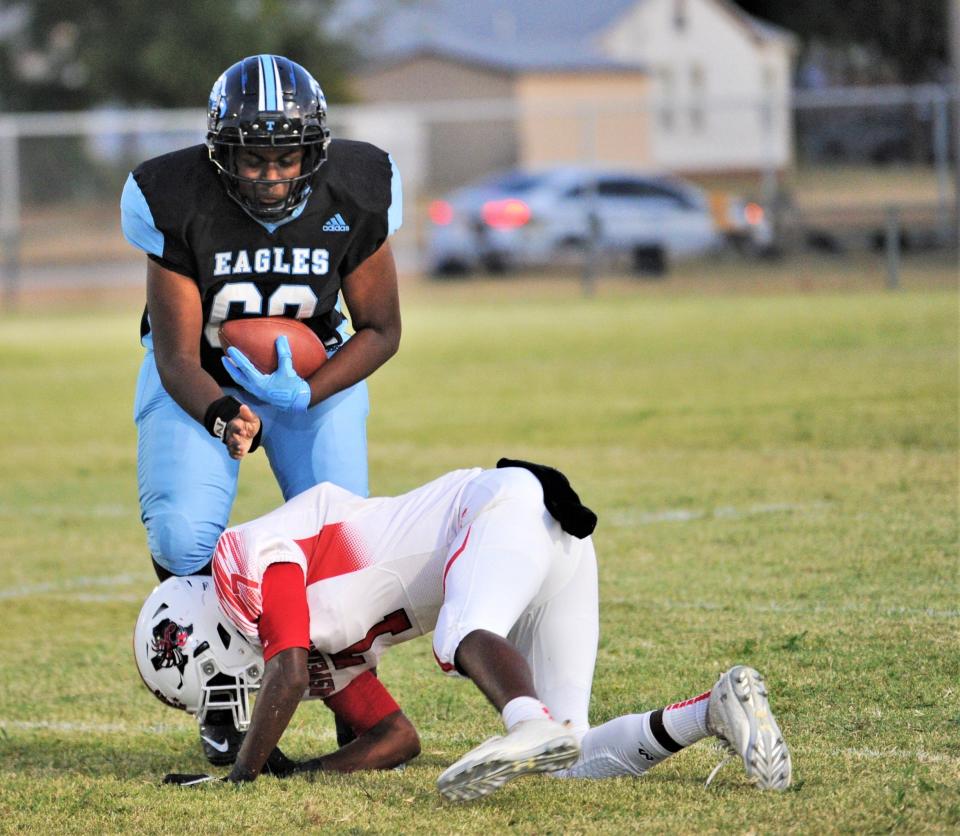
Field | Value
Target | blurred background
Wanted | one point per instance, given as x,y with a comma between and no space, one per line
637,139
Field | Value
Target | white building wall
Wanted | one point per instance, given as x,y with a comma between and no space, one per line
720,96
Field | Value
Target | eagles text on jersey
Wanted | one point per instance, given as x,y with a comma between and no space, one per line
175,209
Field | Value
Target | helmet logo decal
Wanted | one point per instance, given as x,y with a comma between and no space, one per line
167,646
270,123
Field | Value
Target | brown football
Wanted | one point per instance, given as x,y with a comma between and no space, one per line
257,339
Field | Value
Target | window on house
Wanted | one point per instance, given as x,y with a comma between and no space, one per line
679,15
666,96
698,114
768,96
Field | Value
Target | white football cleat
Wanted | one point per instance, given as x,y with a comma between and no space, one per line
738,713
533,746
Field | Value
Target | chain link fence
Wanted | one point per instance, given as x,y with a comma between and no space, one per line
865,170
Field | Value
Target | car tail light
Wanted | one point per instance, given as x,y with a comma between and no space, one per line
505,214
753,212
440,212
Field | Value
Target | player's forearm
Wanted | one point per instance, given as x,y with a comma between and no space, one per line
367,350
391,742
176,325
188,384
279,696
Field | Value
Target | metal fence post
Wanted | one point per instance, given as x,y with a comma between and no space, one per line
591,249
9,213
953,22
893,247
940,101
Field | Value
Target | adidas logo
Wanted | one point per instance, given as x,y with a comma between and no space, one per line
336,224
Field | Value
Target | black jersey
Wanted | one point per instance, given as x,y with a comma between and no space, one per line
176,210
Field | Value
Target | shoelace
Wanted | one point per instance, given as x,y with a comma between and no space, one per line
726,758
728,755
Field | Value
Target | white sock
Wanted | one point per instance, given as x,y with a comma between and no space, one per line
624,746
521,709
686,722
632,744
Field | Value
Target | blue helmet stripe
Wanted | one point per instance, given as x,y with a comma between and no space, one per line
278,82
268,84
261,87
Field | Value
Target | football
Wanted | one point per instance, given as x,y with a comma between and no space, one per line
257,338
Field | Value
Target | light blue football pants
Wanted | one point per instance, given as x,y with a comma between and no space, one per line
188,483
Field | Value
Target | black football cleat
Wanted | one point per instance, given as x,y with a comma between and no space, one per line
220,738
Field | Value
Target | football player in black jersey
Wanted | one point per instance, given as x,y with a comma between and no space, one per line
268,217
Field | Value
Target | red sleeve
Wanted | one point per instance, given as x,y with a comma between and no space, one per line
363,703
284,619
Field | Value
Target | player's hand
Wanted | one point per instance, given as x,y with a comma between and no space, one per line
284,388
182,780
279,765
240,432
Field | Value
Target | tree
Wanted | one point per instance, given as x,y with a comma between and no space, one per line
909,35
74,54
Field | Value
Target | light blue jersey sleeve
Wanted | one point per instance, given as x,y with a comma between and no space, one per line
136,220
395,213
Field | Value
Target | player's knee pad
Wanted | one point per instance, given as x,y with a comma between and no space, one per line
450,631
179,544
446,640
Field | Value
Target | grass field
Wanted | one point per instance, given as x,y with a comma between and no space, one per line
776,479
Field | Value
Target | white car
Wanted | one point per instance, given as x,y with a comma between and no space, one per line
536,218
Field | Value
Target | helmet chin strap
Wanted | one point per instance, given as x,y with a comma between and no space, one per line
288,214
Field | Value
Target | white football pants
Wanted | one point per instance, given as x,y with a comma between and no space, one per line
513,571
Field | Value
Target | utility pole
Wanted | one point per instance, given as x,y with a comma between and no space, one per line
953,21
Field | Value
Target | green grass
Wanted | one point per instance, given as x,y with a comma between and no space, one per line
776,478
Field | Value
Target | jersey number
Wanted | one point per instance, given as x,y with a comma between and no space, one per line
394,623
321,680
248,296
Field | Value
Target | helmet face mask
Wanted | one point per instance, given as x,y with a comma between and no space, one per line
190,656
267,102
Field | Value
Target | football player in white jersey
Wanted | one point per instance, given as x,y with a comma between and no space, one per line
500,565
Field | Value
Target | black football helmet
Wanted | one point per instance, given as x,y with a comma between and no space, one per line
267,100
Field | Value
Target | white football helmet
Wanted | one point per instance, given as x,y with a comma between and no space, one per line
189,654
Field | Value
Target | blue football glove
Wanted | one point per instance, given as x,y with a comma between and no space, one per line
284,388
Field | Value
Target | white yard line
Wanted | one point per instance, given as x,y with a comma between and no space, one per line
85,728
794,608
68,727
70,584
68,588
103,511
919,755
626,518
65,727
95,598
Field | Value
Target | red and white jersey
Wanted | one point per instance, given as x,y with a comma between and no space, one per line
373,568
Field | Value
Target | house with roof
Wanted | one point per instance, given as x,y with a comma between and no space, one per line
692,86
